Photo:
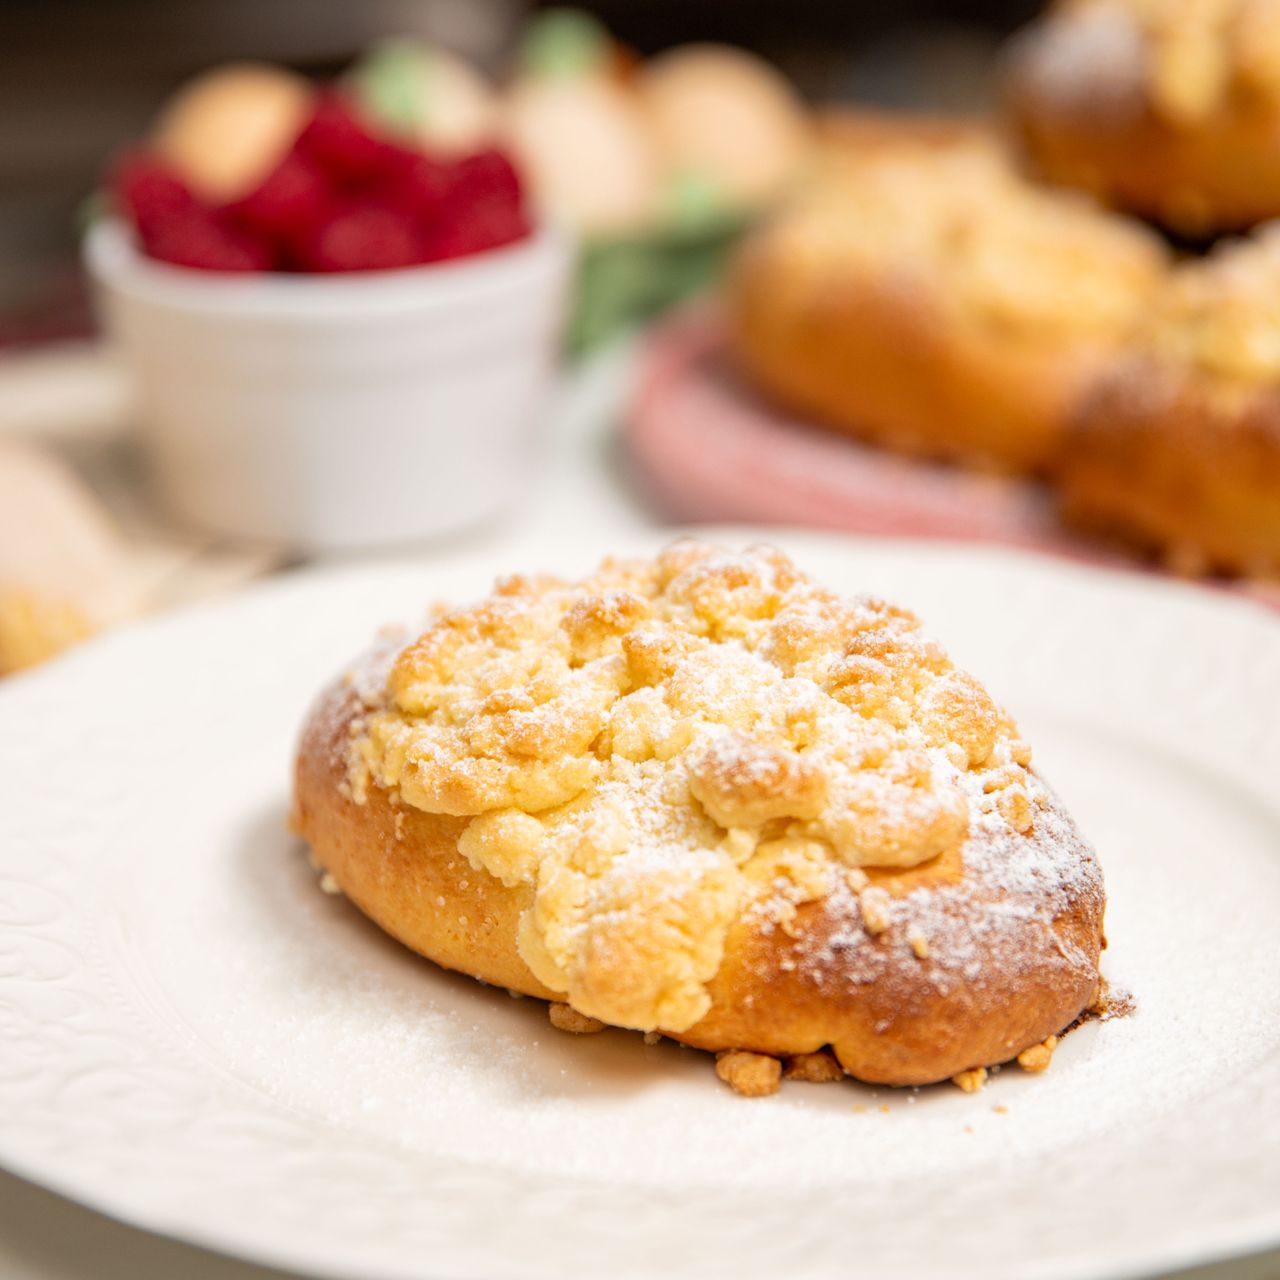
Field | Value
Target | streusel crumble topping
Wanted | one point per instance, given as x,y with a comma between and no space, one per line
1222,312
958,220
645,749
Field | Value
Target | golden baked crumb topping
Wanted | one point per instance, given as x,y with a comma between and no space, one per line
1192,58
648,748
1222,312
957,220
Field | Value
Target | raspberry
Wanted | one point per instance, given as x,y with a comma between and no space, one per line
417,183
289,202
199,240
487,225
483,208
148,191
486,176
336,141
365,237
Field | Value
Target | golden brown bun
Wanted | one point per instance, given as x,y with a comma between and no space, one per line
911,974
1179,448
1174,461
1004,969
886,364
925,297
1152,114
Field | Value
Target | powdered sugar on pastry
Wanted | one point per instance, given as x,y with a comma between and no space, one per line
961,224
1186,58
646,748
1222,312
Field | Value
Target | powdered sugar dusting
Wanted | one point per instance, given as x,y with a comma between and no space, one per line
671,743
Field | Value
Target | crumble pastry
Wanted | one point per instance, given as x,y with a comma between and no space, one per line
1171,111
704,796
1178,448
927,297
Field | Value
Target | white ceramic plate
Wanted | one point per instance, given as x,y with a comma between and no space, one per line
197,1040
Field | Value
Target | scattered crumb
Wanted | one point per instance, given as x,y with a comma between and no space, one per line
565,1017
1112,1002
328,884
884,1108
972,1080
968,1128
918,942
859,1109
751,1075
813,1068
875,905
1038,1057
652,1037
1000,1109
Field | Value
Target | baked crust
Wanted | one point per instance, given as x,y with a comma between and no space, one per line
1182,463
912,974
1178,449
1167,111
927,298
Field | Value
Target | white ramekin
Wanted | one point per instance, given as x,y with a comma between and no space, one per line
338,412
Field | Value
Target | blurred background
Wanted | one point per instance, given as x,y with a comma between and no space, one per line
929,250
79,78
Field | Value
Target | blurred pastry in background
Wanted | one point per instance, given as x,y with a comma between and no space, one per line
923,295
1167,108
63,568
1178,450
657,165
725,121
226,130
572,117
428,95
615,144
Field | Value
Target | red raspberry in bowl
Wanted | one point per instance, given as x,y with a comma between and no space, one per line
196,238
337,142
362,237
488,225
417,183
343,198
292,200
483,208
486,176
146,188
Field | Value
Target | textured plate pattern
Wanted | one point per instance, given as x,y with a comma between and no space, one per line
197,1041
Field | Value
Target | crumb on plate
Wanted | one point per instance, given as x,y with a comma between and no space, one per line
751,1075
564,1017
813,1068
972,1080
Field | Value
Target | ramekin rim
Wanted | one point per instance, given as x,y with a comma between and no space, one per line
114,261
